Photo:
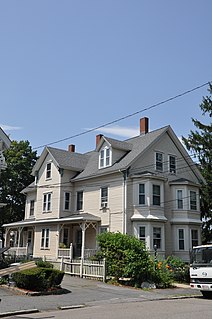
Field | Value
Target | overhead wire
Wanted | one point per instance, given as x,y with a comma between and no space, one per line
124,117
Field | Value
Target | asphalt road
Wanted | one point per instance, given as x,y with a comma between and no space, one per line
89,293
166,309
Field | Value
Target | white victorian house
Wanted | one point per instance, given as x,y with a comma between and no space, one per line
4,145
146,186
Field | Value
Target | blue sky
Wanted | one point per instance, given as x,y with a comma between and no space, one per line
69,66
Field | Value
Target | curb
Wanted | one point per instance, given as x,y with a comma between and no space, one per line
71,307
18,312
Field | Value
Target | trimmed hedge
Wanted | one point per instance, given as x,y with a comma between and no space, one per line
38,279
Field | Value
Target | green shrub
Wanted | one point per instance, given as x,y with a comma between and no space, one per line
179,269
161,275
126,256
44,264
38,279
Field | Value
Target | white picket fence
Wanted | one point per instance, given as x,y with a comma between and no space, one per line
84,268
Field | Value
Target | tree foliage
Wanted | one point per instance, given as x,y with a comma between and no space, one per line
200,141
20,159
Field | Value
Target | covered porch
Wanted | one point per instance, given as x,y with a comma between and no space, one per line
70,237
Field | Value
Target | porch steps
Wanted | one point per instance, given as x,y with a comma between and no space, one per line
16,268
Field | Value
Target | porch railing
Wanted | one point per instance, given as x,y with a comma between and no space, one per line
18,251
68,253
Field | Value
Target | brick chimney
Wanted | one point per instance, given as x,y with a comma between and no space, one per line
98,138
144,125
71,148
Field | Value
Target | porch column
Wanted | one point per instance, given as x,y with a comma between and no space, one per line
83,227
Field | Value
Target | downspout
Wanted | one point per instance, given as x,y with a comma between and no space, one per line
125,174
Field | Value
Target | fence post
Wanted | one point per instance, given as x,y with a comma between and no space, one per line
71,251
81,267
61,264
104,270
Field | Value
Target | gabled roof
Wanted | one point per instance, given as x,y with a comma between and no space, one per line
137,144
5,139
116,144
63,159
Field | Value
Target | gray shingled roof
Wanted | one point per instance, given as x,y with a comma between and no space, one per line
70,160
138,144
119,145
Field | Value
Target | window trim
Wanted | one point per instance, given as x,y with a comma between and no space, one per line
156,196
181,240
155,239
105,157
194,241
141,195
190,200
172,170
79,200
142,238
159,162
32,208
48,170
47,202
104,199
67,201
179,200
45,238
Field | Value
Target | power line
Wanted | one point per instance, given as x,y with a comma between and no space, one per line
126,116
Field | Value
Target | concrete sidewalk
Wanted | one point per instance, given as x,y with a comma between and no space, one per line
85,292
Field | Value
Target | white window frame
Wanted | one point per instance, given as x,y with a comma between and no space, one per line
142,238
47,202
80,200
179,200
173,169
154,195
32,208
49,170
194,241
67,201
157,239
159,162
104,198
141,194
181,239
105,157
45,238
192,200
103,229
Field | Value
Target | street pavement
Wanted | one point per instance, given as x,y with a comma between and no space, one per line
86,292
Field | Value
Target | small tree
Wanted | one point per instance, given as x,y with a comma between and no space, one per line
20,159
126,256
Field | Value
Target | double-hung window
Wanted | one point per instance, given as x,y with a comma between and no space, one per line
47,198
67,201
157,237
104,196
179,199
159,161
172,164
105,157
194,237
193,200
80,200
156,195
48,170
181,239
142,233
32,208
141,194
45,238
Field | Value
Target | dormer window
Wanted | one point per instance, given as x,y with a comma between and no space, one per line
105,157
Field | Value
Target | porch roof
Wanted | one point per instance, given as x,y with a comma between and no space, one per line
86,217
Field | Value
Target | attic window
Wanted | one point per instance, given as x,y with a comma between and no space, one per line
48,170
105,157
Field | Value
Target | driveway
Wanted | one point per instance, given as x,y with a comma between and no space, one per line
87,292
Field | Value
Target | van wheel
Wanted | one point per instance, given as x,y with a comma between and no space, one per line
207,294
